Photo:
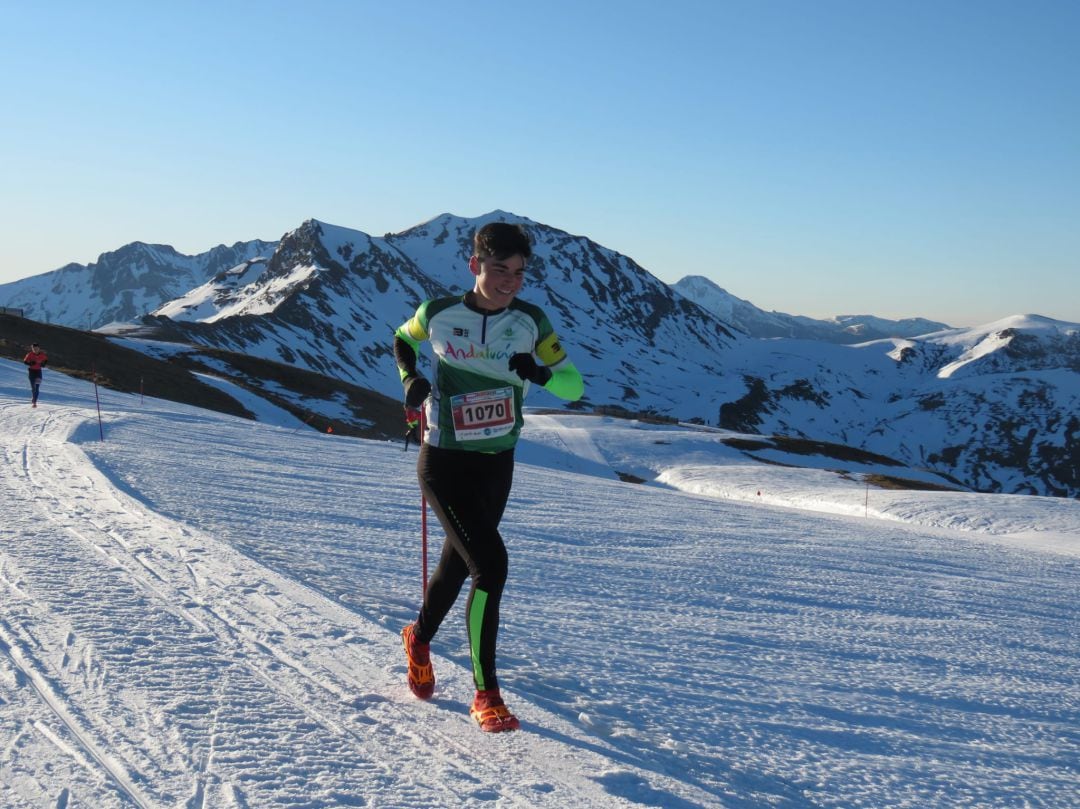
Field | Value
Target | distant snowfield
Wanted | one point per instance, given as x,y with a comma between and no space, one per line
695,460
203,611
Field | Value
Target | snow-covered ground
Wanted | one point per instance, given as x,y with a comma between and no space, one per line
696,460
201,611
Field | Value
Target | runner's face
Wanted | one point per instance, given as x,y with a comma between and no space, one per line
498,281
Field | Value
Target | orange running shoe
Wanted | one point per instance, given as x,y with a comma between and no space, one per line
421,673
491,713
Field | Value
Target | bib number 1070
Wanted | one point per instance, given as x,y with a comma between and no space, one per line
483,414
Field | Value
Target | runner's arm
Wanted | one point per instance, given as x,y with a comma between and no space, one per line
407,341
566,381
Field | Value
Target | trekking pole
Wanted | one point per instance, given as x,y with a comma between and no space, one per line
423,522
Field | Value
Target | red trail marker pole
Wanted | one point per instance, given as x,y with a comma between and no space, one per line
97,398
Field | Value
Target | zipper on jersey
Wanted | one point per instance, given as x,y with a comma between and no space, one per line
483,330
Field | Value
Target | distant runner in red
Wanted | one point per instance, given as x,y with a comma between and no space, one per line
36,359
486,345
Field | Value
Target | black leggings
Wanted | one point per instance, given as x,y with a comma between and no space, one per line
468,493
35,383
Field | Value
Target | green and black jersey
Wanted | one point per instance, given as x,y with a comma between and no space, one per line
476,400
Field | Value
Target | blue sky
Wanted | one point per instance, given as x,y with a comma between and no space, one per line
818,158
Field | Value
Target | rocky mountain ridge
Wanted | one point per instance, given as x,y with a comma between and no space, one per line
122,285
844,329
993,407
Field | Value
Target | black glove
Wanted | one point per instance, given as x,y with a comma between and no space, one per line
525,367
416,390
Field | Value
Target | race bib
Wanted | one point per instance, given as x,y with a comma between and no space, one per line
483,414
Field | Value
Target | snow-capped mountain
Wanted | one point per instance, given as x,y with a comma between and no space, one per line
756,322
330,298
994,407
955,401
122,285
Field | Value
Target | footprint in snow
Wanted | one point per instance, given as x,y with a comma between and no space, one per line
595,724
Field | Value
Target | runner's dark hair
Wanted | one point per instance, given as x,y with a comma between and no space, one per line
501,240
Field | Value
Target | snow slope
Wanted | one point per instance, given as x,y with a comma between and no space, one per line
202,611
695,459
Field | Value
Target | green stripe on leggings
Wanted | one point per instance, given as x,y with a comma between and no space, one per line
476,625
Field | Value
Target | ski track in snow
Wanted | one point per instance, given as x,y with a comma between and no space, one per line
202,612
